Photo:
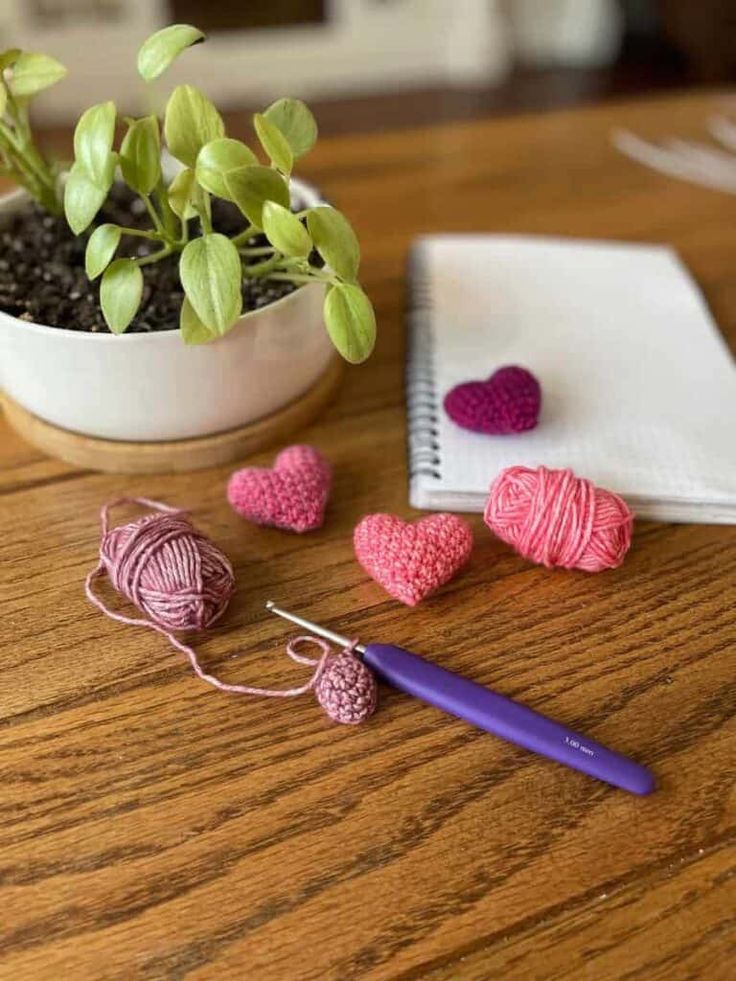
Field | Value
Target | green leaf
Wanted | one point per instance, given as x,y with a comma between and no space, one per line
162,48
294,120
9,57
190,122
284,231
186,197
93,138
193,331
101,247
140,155
251,187
218,159
83,198
351,322
3,99
120,293
181,194
35,72
274,143
211,274
335,240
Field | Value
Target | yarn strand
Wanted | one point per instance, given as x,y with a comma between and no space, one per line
176,575
144,502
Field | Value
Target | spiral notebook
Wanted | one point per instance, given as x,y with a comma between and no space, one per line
639,387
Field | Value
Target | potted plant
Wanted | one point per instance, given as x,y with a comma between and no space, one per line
191,290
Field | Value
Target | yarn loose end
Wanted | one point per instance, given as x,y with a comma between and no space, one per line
181,581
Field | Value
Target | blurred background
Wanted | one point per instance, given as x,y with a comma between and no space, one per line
366,64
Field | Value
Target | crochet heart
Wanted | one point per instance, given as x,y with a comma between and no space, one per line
292,494
411,561
508,402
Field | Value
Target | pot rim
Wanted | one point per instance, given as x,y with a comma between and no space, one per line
19,196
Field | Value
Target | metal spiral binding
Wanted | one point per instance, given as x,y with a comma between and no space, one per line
421,393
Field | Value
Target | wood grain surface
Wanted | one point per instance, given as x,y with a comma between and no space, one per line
154,828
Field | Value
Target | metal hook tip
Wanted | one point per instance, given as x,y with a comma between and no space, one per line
314,627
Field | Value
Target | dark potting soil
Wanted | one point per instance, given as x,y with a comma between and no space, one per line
42,277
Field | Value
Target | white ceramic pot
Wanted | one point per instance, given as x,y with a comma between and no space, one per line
143,387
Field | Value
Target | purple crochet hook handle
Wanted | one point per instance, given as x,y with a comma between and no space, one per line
495,713
513,722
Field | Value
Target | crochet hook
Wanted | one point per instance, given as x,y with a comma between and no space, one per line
490,711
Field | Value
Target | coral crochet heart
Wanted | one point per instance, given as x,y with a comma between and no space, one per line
508,402
411,561
291,495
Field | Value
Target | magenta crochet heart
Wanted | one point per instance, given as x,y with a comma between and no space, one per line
292,494
508,402
410,561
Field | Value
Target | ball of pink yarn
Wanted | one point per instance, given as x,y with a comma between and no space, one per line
172,572
559,520
347,689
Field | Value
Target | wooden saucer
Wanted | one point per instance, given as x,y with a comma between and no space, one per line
117,456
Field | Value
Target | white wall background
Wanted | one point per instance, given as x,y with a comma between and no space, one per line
367,45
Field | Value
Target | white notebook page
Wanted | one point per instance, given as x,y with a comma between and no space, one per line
638,386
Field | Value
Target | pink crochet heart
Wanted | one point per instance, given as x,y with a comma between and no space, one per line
410,561
508,402
292,494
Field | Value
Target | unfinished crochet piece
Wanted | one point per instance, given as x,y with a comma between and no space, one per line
508,402
411,561
291,495
180,579
346,689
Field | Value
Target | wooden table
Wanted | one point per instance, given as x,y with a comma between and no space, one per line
152,827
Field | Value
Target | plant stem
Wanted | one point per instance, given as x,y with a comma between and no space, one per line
287,277
33,171
153,215
167,212
12,104
24,123
257,269
141,233
244,236
261,250
9,157
146,260
205,218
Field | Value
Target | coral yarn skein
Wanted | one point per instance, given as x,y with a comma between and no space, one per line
559,520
